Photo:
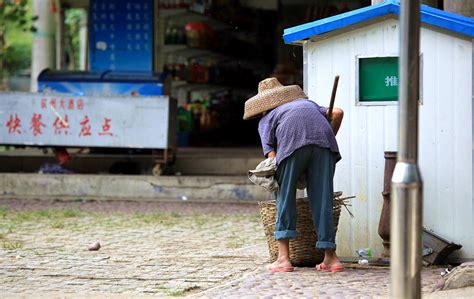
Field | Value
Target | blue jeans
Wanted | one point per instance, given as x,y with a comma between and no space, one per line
318,164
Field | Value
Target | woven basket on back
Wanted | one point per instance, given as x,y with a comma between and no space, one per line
302,249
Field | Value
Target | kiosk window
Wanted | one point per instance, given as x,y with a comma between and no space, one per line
378,79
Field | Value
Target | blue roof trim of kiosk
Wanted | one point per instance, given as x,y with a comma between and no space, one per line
429,15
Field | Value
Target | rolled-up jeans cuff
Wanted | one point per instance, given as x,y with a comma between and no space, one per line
285,234
325,245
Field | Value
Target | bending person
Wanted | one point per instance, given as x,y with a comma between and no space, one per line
297,132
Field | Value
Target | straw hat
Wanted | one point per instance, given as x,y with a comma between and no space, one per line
271,94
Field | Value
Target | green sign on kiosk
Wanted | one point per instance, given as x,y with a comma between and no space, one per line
378,79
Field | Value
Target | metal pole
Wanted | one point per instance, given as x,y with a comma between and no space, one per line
407,199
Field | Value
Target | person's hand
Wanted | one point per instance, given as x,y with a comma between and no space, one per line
337,115
272,154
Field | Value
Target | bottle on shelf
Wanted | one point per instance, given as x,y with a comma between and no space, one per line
180,69
198,35
174,34
168,34
174,4
169,65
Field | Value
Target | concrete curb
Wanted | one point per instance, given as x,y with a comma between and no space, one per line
125,187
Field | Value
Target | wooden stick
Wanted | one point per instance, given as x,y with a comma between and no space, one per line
59,116
333,98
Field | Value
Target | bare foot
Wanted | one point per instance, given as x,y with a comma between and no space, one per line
280,266
334,268
331,262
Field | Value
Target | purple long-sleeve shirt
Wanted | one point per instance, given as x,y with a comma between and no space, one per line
293,125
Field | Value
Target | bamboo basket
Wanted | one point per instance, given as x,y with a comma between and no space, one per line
303,252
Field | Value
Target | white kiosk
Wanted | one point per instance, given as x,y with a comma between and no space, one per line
362,47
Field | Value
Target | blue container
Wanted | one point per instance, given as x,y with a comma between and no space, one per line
83,83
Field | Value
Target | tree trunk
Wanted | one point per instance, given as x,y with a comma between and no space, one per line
43,46
83,45
59,37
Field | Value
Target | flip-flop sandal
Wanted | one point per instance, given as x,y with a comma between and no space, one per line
323,267
272,268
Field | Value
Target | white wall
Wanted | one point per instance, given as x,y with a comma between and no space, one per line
368,131
446,138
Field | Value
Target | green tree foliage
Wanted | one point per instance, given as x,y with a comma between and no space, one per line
14,16
17,57
74,19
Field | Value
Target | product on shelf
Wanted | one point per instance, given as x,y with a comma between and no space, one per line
173,4
174,35
198,35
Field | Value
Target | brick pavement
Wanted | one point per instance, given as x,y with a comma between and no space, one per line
160,254
355,282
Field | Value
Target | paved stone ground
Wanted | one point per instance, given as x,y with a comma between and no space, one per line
157,249
355,282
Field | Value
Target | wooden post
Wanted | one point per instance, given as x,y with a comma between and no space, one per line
333,98
384,222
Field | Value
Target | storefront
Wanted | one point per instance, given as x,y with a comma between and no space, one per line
214,53
205,56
